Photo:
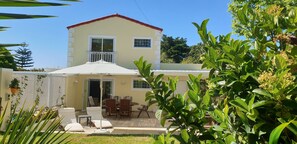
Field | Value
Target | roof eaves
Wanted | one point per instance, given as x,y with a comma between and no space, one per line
115,15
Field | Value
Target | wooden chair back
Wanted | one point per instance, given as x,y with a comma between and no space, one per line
117,98
111,106
128,97
125,107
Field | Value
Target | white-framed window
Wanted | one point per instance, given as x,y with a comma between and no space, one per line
142,43
102,44
140,84
102,47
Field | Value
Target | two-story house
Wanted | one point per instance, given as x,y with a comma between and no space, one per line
121,40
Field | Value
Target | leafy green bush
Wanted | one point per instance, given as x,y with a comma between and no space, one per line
251,86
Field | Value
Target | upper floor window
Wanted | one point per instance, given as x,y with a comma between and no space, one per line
101,48
142,43
102,45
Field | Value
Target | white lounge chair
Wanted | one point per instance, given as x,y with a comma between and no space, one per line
91,101
69,122
96,114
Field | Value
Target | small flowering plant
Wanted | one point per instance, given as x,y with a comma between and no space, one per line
15,83
276,83
14,86
278,79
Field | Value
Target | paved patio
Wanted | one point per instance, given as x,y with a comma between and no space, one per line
125,125
142,121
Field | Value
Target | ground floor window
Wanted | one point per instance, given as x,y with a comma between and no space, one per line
140,84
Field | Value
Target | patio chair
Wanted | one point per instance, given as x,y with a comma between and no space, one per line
69,122
143,108
91,101
111,107
117,98
128,97
125,107
96,114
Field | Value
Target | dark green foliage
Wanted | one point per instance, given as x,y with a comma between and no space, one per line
195,55
6,59
187,112
23,58
174,49
252,84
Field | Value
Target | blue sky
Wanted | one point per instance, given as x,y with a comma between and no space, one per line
48,38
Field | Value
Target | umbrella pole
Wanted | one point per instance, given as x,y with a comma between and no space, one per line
101,98
101,95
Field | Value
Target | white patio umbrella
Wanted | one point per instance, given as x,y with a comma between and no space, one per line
96,68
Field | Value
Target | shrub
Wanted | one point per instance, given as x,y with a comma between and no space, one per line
252,83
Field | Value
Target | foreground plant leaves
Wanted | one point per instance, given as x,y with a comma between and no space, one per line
31,126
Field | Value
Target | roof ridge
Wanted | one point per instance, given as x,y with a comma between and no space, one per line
115,15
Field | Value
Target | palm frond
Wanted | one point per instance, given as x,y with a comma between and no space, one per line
18,3
12,45
5,16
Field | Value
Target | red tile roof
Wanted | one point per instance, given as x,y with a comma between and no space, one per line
115,15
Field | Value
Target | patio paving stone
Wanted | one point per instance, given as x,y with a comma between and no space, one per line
125,125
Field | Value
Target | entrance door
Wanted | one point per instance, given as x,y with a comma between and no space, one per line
94,90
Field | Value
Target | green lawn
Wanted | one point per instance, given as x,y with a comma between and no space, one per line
110,139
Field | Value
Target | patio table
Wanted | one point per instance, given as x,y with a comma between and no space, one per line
88,117
118,104
134,103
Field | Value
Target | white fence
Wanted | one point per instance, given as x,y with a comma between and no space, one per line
49,88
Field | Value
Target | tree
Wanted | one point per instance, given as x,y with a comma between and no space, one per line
6,59
195,55
252,83
23,58
173,49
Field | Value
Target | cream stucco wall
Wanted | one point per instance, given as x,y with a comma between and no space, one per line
77,89
5,78
123,32
73,98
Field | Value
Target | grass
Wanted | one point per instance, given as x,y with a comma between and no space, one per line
107,139
110,139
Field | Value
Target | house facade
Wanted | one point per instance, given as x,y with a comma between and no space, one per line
116,39
121,40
